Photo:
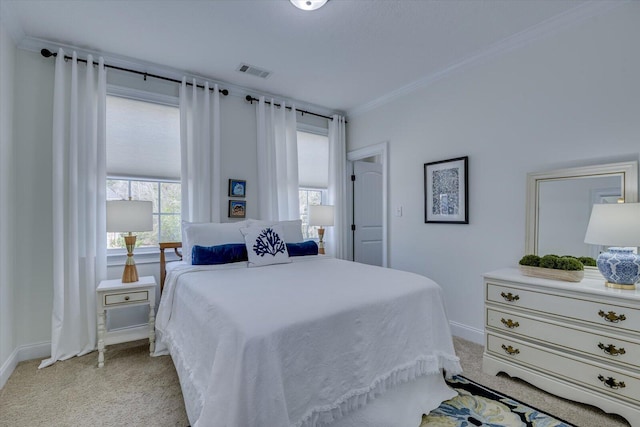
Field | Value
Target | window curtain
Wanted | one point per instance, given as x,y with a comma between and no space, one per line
278,197
79,211
200,152
337,192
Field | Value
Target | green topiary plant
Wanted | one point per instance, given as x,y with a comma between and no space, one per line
588,261
549,261
530,260
568,262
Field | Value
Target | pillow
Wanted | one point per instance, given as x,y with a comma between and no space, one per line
221,254
209,234
265,246
303,248
292,229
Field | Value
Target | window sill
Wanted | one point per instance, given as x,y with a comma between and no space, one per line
118,258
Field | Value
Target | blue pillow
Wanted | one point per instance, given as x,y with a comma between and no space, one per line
221,254
304,248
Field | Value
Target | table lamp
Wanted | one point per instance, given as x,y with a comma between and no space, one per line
321,215
127,216
616,225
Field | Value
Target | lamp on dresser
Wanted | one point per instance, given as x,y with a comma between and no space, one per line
127,216
616,225
321,215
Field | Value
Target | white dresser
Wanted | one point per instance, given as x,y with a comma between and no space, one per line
580,341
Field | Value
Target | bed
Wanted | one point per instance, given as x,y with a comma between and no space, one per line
306,341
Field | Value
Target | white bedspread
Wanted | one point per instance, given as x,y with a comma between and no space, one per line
299,344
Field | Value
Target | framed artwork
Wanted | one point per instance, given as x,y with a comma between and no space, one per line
446,196
237,208
237,188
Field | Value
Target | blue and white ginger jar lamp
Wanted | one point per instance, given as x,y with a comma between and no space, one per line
619,225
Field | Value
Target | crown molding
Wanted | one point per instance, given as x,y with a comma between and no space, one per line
537,32
35,45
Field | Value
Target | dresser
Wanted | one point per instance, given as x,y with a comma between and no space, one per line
580,340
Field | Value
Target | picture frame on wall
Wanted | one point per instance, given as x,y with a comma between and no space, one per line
237,188
237,208
446,195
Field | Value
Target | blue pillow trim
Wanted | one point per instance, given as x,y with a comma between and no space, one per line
220,254
302,249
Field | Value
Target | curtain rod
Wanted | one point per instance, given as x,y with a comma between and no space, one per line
251,99
47,53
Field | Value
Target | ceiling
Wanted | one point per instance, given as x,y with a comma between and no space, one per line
346,55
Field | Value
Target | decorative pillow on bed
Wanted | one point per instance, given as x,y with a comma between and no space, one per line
303,248
265,245
209,234
221,254
292,229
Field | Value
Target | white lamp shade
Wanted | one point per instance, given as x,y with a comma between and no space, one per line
124,216
616,224
321,215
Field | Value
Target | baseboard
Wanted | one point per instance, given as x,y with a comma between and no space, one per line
467,332
39,350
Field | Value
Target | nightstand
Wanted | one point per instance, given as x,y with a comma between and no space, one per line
115,294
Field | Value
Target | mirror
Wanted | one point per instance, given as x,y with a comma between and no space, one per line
559,205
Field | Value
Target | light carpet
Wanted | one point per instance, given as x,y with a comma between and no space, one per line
134,389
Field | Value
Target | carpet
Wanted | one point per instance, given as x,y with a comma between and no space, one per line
477,405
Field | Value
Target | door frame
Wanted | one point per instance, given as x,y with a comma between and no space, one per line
380,150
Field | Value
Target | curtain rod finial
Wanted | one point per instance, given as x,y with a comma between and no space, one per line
225,92
47,53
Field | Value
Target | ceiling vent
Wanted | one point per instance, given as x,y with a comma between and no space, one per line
254,71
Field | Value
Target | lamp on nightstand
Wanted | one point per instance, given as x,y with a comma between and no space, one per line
321,215
616,224
127,216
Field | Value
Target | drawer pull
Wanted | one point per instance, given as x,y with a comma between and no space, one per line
509,296
509,323
510,350
611,382
611,316
611,349
127,298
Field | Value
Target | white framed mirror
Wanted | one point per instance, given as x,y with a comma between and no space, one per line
559,205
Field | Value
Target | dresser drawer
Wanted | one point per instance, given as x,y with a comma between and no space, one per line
604,347
126,297
601,313
605,380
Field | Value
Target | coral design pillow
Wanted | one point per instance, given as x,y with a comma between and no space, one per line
265,245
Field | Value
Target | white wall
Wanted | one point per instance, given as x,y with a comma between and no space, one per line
567,100
33,170
7,201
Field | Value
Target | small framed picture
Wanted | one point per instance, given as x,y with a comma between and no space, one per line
237,208
446,196
237,188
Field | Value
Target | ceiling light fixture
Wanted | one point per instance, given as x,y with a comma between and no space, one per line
308,4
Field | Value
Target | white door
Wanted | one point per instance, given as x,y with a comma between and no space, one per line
367,213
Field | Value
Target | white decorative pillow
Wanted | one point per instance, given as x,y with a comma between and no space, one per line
265,245
209,234
292,229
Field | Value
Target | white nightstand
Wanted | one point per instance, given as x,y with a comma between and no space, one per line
115,294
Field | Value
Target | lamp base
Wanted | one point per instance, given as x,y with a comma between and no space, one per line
320,241
130,273
620,268
620,286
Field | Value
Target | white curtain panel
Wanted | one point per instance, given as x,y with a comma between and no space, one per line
79,187
278,197
336,236
200,152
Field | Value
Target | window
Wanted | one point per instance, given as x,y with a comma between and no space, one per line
143,161
313,174
165,196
